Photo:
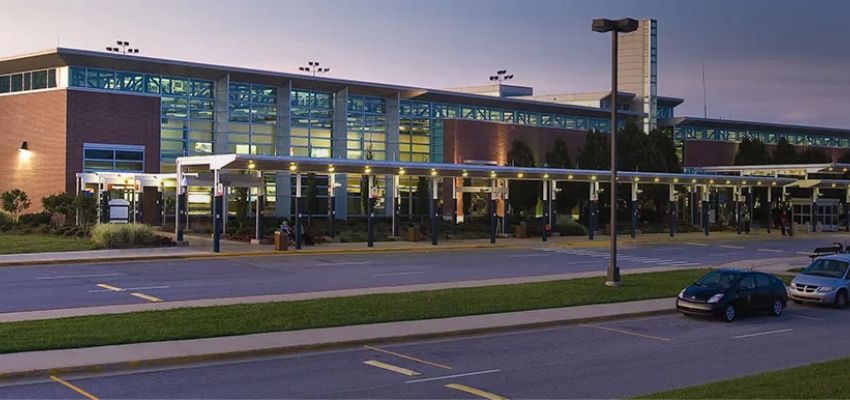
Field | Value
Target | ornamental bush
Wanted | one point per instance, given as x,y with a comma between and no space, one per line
122,236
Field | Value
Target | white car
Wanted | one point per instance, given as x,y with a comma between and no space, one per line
826,281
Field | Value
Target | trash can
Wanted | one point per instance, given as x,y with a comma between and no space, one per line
281,241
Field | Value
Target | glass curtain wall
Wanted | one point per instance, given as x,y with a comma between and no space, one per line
186,124
253,119
311,122
367,128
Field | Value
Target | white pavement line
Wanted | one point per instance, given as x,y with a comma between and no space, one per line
762,333
771,250
803,253
696,244
342,263
726,246
625,332
47,278
454,376
581,262
401,273
529,255
678,263
722,254
393,368
146,297
132,288
804,317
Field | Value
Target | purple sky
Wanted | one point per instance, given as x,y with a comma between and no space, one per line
793,67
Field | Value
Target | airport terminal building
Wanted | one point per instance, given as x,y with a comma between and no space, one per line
76,111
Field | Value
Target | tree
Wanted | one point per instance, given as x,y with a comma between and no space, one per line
596,152
813,155
240,204
523,193
559,157
845,158
752,152
631,143
86,205
784,153
15,201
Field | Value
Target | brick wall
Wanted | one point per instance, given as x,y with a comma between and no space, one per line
39,119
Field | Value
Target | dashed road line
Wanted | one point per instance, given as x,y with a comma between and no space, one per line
477,392
401,273
696,244
393,368
407,357
762,333
529,255
146,297
726,246
341,263
625,332
771,250
804,317
437,378
128,289
110,287
73,387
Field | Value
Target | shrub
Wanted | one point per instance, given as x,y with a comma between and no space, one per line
15,201
35,219
6,221
117,236
571,228
59,203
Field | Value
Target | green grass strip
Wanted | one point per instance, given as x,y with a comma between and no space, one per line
816,381
241,319
38,243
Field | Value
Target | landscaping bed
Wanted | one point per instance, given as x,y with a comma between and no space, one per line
18,243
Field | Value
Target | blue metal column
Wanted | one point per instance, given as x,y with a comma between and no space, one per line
454,206
492,211
769,206
370,212
592,208
545,210
298,211
847,209
736,194
396,204
633,205
332,203
706,201
750,208
672,211
218,201
815,195
433,206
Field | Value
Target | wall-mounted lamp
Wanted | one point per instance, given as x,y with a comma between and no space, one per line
25,146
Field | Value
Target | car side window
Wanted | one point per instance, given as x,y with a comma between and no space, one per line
747,282
762,280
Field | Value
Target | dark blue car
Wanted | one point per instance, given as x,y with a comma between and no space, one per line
727,292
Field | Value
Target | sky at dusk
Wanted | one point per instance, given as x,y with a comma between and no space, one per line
765,60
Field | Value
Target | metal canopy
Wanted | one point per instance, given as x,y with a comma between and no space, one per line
249,162
782,170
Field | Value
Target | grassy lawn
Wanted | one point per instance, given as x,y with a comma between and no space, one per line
39,243
817,381
193,323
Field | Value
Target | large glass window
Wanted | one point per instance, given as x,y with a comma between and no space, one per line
253,119
110,157
367,127
311,123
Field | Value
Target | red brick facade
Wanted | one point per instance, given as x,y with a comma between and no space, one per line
38,118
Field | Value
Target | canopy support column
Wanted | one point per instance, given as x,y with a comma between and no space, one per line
395,204
435,227
545,210
592,208
370,211
736,196
634,211
815,195
298,211
769,206
259,213
706,200
492,211
179,204
218,200
672,210
332,203
454,206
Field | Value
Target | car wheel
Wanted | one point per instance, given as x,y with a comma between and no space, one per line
777,307
729,313
841,300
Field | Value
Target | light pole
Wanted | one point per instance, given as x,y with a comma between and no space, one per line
501,76
615,27
124,49
313,67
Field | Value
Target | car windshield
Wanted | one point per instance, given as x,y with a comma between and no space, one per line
826,267
719,279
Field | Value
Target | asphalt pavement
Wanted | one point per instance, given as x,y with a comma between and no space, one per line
30,288
610,359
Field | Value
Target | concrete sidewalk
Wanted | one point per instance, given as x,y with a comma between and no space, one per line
200,247
141,355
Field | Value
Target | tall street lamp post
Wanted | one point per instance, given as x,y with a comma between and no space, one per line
614,26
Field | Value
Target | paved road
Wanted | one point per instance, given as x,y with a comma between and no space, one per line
67,286
613,359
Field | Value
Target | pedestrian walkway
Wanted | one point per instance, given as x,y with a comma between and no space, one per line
140,355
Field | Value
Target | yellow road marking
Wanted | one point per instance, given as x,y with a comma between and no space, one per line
625,332
110,287
146,297
388,367
477,392
71,386
406,357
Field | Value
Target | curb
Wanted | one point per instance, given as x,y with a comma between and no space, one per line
276,351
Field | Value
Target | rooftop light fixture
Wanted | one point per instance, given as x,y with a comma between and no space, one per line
124,49
501,76
314,68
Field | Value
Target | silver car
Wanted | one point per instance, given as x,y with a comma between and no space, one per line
824,281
